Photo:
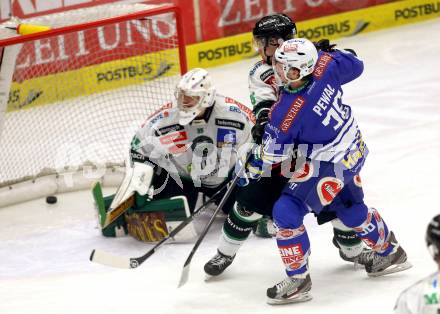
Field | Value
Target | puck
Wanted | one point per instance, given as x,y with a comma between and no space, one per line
51,199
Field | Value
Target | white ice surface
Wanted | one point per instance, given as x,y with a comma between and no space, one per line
44,249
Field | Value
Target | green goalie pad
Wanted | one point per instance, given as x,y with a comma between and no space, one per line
148,220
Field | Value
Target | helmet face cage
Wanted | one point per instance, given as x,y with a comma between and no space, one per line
195,84
294,57
433,238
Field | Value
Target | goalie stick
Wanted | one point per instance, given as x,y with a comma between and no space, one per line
185,271
104,258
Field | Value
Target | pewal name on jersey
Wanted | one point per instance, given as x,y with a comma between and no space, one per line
230,123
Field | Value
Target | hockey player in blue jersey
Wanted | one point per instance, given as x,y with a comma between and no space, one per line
309,122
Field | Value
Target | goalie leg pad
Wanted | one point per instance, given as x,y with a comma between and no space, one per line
157,218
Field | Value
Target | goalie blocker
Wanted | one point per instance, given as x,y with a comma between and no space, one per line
145,219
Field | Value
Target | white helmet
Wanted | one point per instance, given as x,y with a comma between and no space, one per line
193,93
299,54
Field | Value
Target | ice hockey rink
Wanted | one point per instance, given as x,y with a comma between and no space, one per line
44,249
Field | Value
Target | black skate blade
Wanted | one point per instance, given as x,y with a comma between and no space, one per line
302,297
391,270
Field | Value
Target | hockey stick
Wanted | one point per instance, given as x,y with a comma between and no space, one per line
108,259
185,271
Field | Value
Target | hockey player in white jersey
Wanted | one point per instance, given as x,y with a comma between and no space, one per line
189,145
423,296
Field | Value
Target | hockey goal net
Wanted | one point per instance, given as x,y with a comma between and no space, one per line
72,97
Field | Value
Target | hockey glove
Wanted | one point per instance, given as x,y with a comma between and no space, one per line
252,171
324,45
258,129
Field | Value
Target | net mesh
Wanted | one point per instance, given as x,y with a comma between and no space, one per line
78,97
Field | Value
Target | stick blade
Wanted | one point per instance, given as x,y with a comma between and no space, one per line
104,258
184,276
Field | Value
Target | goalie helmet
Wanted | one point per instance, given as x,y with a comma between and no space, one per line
293,60
433,237
194,93
272,30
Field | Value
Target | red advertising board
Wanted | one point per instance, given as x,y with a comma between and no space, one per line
78,49
222,18
218,18
32,8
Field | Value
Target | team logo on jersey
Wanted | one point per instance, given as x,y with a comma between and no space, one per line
230,123
328,188
292,113
302,174
321,65
357,181
226,137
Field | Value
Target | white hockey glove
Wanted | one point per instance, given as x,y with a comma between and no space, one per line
137,178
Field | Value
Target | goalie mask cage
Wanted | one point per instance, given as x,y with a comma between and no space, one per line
71,98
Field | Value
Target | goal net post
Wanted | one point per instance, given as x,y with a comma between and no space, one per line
72,97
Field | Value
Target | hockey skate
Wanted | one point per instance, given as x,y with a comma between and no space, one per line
360,259
265,228
378,265
291,290
217,265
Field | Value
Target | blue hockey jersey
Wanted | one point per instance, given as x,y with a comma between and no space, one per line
314,121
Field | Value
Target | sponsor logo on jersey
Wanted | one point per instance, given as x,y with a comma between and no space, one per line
285,234
168,129
328,188
266,74
357,181
226,137
234,109
291,114
246,110
302,174
172,140
152,119
321,65
230,123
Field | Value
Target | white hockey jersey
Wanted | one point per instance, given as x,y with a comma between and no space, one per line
202,151
262,83
421,298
